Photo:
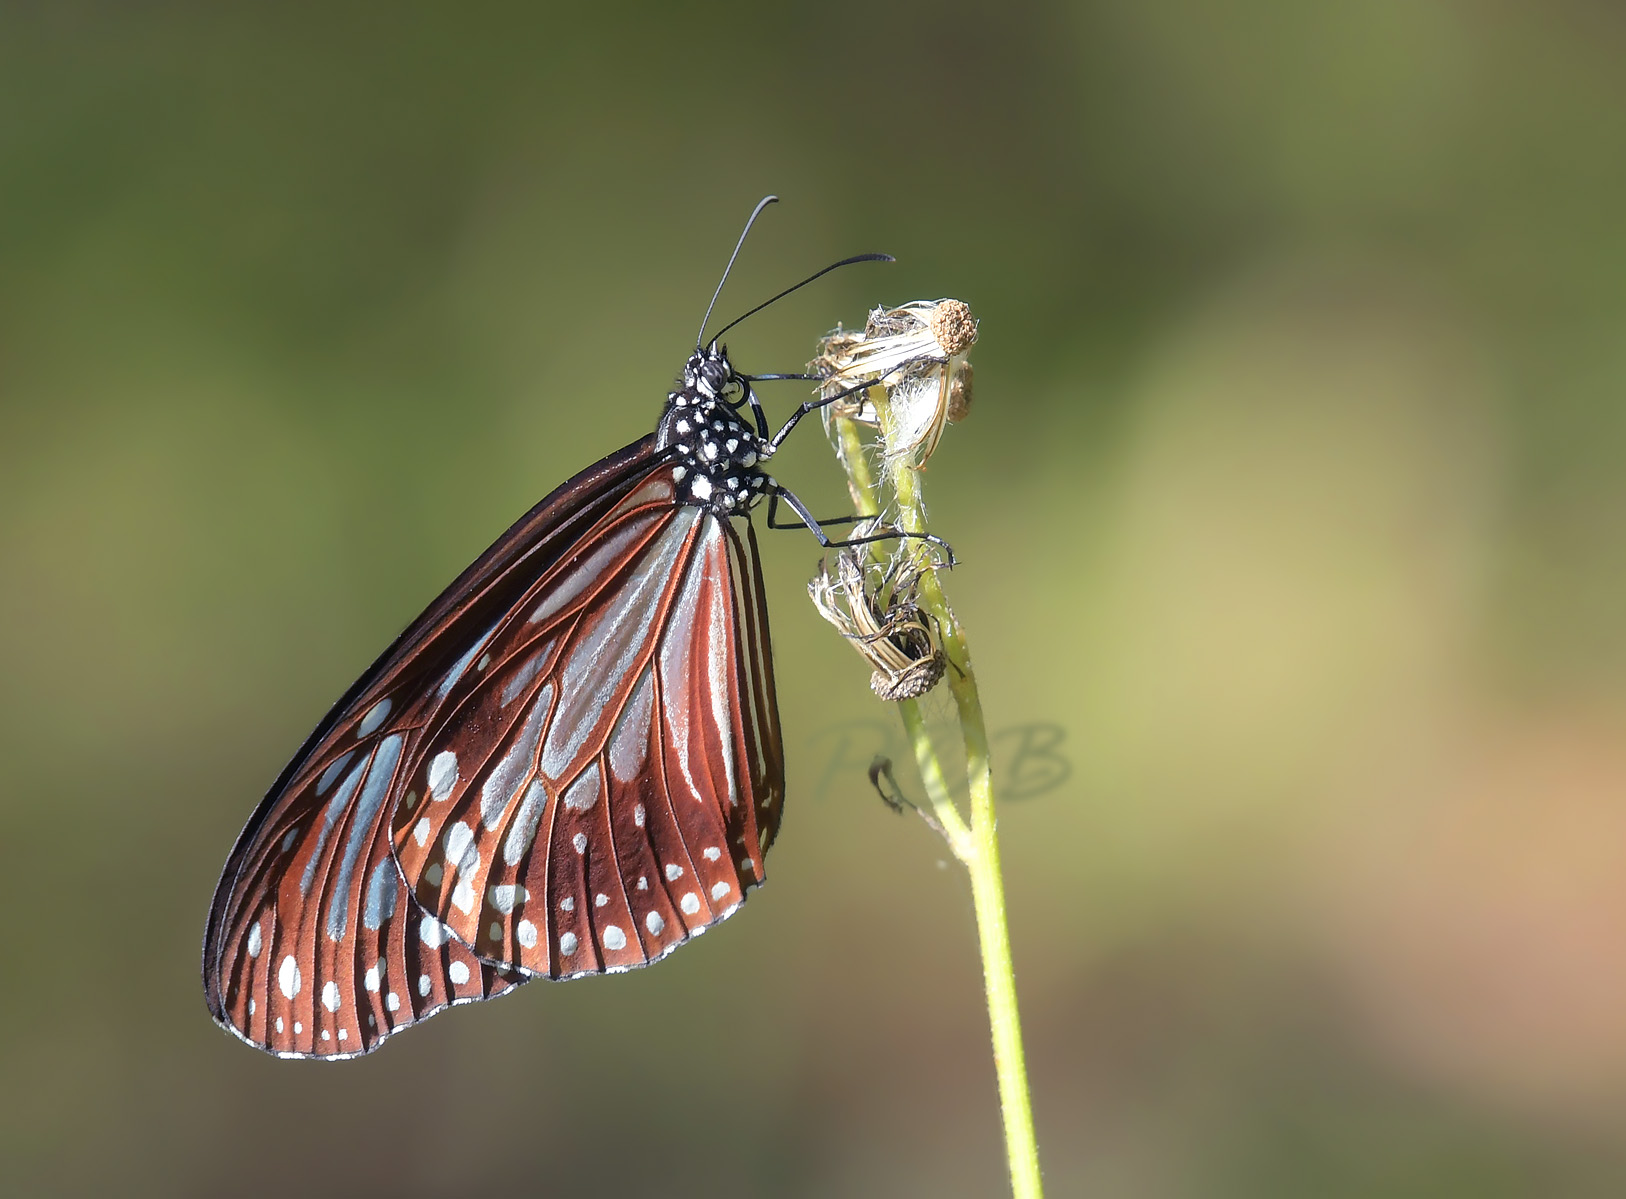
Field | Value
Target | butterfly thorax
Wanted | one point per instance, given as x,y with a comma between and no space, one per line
717,456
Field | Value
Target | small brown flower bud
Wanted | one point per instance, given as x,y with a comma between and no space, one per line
959,401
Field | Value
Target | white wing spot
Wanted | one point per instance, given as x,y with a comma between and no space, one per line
431,932
288,841
567,904
343,1034
432,876
567,588
525,933
700,488
600,899
411,800
485,660
421,831
458,972
326,1036
459,840
254,941
505,897
288,977
525,675
712,853
495,931
442,774
614,938
374,718
748,864
567,944
251,1006
463,896
374,976
522,830
720,890
643,883
583,793
425,985
392,1001
279,1023
580,842
630,739
330,996
333,772
690,904
638,815
654,924
673,872
298,1028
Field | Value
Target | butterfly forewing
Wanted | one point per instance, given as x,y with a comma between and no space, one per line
314,944
594,799
325,953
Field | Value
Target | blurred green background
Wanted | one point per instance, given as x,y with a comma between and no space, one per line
1293,497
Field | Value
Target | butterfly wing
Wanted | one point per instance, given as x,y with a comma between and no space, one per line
314,946
605,790
326,953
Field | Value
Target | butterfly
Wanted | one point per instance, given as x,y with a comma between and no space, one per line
570,764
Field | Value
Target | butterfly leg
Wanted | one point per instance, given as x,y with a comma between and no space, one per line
757,413
756,404
817,527
813,405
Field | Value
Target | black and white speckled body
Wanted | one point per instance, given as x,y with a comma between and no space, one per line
717,456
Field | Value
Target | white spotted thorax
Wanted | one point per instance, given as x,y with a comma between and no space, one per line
717,455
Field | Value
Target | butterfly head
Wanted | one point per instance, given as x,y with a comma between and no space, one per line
717,456
709,375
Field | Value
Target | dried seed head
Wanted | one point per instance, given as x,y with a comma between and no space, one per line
883,623
952,326
915,351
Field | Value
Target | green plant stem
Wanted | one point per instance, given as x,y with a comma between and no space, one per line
976,845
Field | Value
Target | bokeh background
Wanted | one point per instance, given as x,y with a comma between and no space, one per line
1291,511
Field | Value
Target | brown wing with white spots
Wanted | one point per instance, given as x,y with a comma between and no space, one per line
314,947
325,953
608,789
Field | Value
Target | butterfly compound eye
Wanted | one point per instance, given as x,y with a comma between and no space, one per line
715,374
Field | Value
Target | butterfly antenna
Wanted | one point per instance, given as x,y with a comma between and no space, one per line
746,232
788,290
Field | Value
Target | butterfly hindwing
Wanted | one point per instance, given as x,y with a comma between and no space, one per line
593,800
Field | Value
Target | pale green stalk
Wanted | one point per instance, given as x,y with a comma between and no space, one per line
976,845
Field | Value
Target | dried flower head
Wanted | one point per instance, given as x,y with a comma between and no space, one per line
883,623
917,352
